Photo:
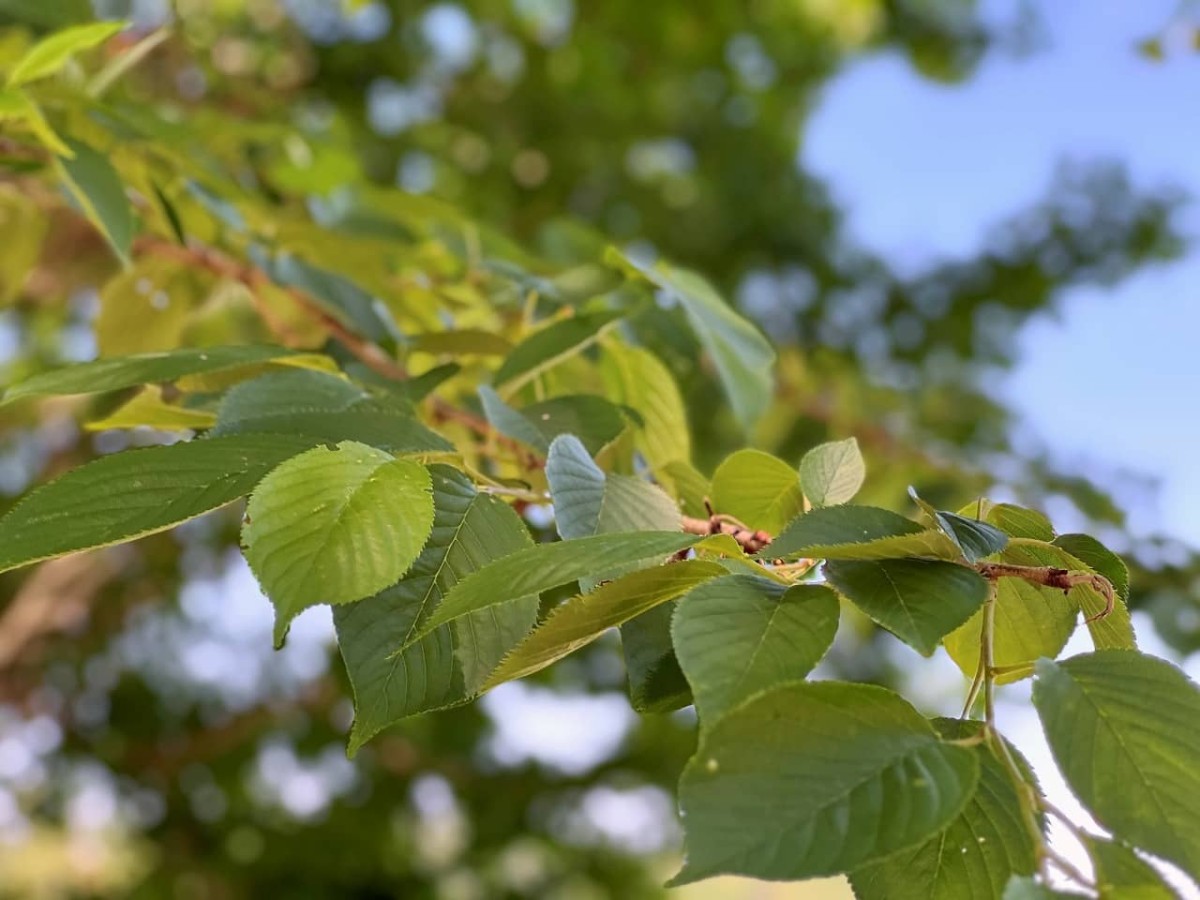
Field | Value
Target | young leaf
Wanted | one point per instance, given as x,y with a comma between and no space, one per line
147,409
146,368
53,52
129,495
638,379
101,195
394,677
832,473
546,566
918,600
740,635
545,349
743,357
1122,728
1121,873
583,618
758,489
817,779
1018,522
335,526
16,106
858,532
983,847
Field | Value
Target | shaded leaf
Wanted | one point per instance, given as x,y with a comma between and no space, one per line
817,779
148,409
743,357
918,600
832,473
129,495
147,368
100,193
857,532
1122,875
1122,728
592,419
335,525
1098,558
464,342
977,854
394,677
337,296
740,635
976,539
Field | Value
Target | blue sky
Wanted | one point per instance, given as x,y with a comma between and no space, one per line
924,170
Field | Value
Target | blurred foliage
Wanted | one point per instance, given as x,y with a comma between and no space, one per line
672,128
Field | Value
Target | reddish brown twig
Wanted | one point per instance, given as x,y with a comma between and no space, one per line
1051,577
750,541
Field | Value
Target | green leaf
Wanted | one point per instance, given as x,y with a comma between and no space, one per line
687,486
326,408
592,419
1099,559
740,635
817,779
15,105
146,368
1122,875
580,620
1114,631
758,489
832,473
548,347
743,357
1122,728
335,525
976,539
338,297
638,379
1018,522
129,495
857,532
1028,888
148,409
546,566
918,600
463,342
394,676
53,52
977,854
656,681
98,189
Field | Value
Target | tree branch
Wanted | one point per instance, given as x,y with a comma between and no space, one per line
1061,579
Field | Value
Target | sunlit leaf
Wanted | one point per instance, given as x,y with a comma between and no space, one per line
832,473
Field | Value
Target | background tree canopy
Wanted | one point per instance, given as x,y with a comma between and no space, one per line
482,156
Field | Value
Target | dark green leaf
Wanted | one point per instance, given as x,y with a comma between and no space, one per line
544,349
1122,727
975,856
975,539
592,419
918,600
743,357
335,525
448,665
147,368
817,779
740,635
857,532
832,473
1099,559
128,495
326,408
101,195
338,297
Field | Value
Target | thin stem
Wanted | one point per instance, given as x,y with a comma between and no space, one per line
976,685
